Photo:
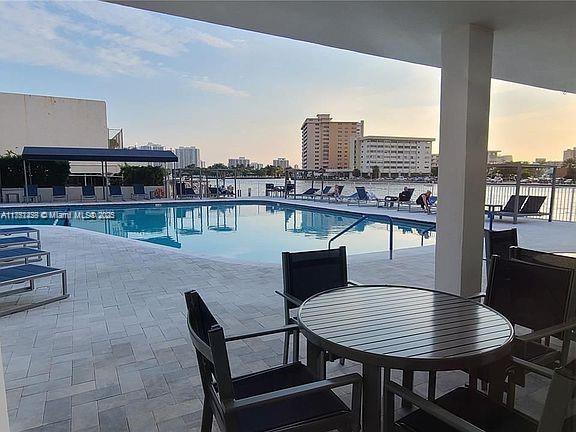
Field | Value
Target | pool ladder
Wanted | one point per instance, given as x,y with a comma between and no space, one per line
362,219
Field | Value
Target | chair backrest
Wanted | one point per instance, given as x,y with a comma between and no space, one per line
406,195
509,207
543,258
310,191
362,195
311,272
338,189
533,204
530,295
499,242
139,189
213,190
269,186
32,191
58,191
208,340
290,187
88,191
326,190
115,190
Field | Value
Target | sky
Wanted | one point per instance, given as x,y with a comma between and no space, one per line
229,92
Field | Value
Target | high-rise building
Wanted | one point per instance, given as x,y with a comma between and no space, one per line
149,146
326,143
187,156
434,159
569,154
240,162
392,155
256,165
281,162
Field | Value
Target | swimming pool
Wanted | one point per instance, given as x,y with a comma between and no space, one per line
257,232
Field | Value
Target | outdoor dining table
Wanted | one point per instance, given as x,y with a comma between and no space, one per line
397,327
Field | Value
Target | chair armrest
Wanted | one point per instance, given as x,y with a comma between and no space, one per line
536,368
476,296
432,408
284,329
548,331
294,392
288,297
353,283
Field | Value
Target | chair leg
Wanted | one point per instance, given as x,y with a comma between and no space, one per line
510,393
432,385
296,347
206,418
342,361
286,347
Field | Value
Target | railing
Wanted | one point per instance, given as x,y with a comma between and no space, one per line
359,221
426,231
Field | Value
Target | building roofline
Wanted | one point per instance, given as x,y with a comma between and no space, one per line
397,137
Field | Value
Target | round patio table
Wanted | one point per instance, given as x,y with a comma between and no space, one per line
397,327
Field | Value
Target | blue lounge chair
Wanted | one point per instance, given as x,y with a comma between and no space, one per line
115,191
32,193
362,196
20,230
59,192
22,255
11,241
323,193
139,191
28,273
88,193
307,194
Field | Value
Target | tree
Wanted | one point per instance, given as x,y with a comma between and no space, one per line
356,172
42,173
146,175
218,166
375,171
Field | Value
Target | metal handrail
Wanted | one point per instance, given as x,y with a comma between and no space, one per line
362,219
426,231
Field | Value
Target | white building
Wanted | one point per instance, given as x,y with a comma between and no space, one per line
49,121
392,155
240,162
256,165
187,156
495,158
569,154
281,162
149,146
434,159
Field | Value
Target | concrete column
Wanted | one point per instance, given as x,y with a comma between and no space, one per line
3,407
464,112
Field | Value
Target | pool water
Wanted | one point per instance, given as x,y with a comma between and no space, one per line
247,231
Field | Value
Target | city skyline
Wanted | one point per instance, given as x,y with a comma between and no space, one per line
183,83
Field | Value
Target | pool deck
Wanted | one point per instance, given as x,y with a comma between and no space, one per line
116,356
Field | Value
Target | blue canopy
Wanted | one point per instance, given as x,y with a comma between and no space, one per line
97,154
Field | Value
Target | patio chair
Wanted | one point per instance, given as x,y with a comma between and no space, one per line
32,193
115,191
307,193
11,256
538,298
508,209
28,273
59,193
88,193
270,189
362,196
138,191
468,410
335,193
19,241
543,258
532,206
324,192
499,243
404,196
285,398
305,274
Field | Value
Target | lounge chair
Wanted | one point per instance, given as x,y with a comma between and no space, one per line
138,191
13,256
532,206
20,230
59,192
270,189
28,273
88,193
32,193
432,204
324,192
335,193
182,191
362,196
307,194
404,196
11,241
115,191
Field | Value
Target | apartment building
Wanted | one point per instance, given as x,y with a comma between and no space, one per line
281,163
326,143
569,154
495,158
240,162
392,155
187,156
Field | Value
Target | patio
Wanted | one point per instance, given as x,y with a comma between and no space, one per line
117,354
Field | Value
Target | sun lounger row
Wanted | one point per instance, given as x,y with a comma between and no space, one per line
88,192
17,251
528,205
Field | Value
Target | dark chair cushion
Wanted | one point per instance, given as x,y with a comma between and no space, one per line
284,412
474,407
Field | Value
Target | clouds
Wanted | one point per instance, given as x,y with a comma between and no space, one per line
94,38
204,84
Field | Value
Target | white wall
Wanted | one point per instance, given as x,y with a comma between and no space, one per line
46,121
